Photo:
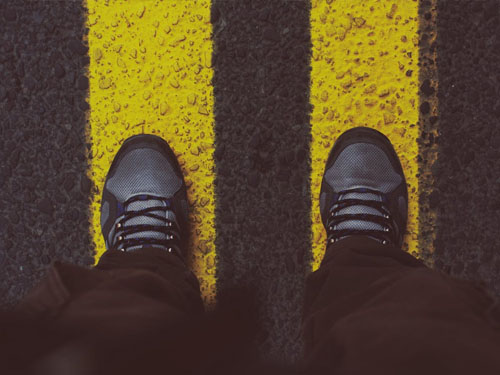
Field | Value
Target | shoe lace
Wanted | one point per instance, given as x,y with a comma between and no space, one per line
167,231
388,229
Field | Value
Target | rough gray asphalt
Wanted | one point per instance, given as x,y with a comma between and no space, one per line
428,123
44,191
261,83
467,190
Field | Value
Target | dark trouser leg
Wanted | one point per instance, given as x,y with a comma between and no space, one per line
134,311
373,309
150,281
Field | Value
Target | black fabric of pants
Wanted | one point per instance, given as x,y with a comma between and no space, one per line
134,313
370,308
374,309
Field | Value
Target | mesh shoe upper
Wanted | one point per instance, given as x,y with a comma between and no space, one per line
364,190
144,200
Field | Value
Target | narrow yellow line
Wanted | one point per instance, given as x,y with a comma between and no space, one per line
364,73
150,72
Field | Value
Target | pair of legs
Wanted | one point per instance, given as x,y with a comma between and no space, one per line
369,308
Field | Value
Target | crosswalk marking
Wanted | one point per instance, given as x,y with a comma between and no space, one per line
150,72
364,73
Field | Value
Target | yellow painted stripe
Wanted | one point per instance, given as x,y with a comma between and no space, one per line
150,72
363,53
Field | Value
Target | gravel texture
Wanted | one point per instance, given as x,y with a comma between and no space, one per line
261,85
43,186
467,175
428,123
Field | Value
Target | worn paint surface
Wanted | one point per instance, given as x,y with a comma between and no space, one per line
364,73
150,72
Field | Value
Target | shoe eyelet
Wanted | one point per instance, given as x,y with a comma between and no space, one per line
386,229
386,216
118,225
122,249
120,238
169,249
384,242
332,240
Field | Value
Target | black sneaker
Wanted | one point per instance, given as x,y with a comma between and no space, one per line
364,189
144,201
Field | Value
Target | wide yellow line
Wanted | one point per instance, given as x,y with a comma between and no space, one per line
364,73
150,72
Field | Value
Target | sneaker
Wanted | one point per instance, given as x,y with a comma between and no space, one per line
364,191
144,201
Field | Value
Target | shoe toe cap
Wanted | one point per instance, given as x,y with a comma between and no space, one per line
363,165
143,171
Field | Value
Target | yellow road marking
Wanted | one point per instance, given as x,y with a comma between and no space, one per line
150,72
363,53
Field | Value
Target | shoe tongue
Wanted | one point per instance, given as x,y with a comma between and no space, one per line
360,209
147,220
